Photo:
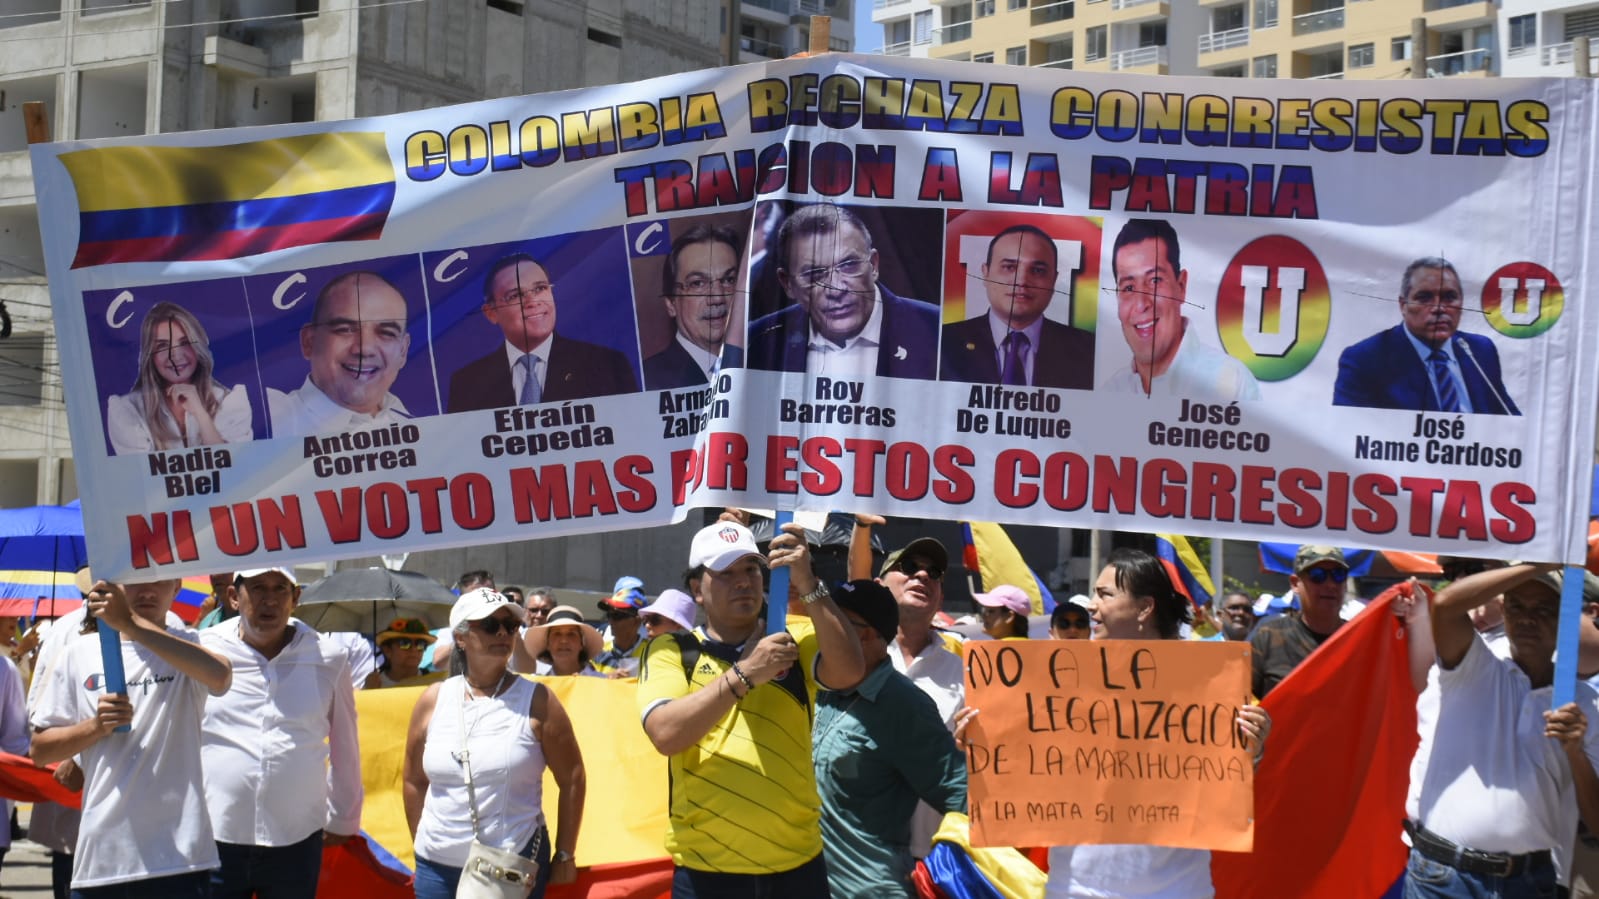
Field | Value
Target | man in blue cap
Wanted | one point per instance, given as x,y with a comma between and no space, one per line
623,643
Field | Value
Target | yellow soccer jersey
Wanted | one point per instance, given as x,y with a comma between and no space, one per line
743,799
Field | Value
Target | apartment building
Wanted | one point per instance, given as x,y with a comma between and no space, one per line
108,68
1226,38
776,29
1539,36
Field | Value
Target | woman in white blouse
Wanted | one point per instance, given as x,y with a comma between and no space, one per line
175,403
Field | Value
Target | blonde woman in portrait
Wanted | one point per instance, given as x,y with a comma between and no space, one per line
175,402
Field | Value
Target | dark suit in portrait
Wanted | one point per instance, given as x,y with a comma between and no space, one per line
908,346
1064,356
674,367
575,370
1384,372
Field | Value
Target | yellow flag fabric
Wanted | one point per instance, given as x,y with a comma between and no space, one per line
624,816
1000,562
1009,872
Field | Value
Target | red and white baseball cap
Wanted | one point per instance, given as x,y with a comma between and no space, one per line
718,545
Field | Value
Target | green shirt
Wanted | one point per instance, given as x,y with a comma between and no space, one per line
878,749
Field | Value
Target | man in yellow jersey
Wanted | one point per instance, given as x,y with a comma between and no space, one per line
732,709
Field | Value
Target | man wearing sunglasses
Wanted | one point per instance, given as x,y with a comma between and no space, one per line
1281,642
843,322
699,285
623,645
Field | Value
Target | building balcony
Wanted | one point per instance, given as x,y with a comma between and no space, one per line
1460,13
1054,64
1223,40
1467,62
1322,20
1138,58
1329,76
762,48
1138,10
1050,13
1126,4
903,48
951,34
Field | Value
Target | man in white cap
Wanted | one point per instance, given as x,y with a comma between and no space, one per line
145,830
732,709
282,761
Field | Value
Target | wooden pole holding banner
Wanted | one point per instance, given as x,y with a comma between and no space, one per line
1418,47
821,34
36,121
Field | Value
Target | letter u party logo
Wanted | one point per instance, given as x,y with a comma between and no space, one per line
1272,307
1522,299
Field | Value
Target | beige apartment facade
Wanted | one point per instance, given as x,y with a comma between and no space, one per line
1226,38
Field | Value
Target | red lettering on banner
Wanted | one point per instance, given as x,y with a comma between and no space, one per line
341,512
1212,494
281,525
1162,488
591,489
1376,514
683,463
781,464
955,484
1517,525
1116,480
865,453
1065,481
1010,465
471,501
233,528
1337,500
638,494
1421,490
426,491
905,475
1300,509
823,477
183,536
726,461
1462,512
149,538
539,494
1255,494
387,513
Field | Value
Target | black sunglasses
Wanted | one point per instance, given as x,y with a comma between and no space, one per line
492,626
653,620
619,614
1323,575
405,643
909,568
1073,621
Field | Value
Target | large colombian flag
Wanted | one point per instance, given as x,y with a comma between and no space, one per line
1183,564
169,204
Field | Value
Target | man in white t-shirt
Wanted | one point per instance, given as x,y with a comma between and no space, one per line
145,831
1498,779
282,760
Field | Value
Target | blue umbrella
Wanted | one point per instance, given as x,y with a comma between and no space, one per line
42,538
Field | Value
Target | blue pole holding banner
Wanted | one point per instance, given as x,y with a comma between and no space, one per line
111,659
777,599
1565,686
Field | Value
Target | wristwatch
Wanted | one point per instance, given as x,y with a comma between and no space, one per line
820,591
561,855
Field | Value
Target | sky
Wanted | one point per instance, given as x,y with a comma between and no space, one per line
868,37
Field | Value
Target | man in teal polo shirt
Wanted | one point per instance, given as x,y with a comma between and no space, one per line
879,747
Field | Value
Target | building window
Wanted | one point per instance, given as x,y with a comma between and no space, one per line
1014,5
1362,56
982,8
1400,49
1016,56
1152,34
1098,44
1265,13
1523,32
1265,67
922,27
982,57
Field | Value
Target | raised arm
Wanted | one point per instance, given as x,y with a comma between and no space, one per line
1452,630
839,664
109,603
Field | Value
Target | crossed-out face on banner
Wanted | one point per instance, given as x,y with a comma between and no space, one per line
688,294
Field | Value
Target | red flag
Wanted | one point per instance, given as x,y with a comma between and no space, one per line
352,869
650,879
23,781
1330,792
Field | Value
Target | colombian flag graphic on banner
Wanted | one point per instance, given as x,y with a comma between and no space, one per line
171,204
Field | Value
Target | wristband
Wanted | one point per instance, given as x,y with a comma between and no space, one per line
739,673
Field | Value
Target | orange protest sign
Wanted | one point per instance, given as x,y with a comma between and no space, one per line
1110,741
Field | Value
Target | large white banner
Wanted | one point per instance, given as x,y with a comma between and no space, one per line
1346,312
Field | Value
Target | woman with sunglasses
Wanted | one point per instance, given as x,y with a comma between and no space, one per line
403,643
566,643
510,728
1069,621
1133,599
